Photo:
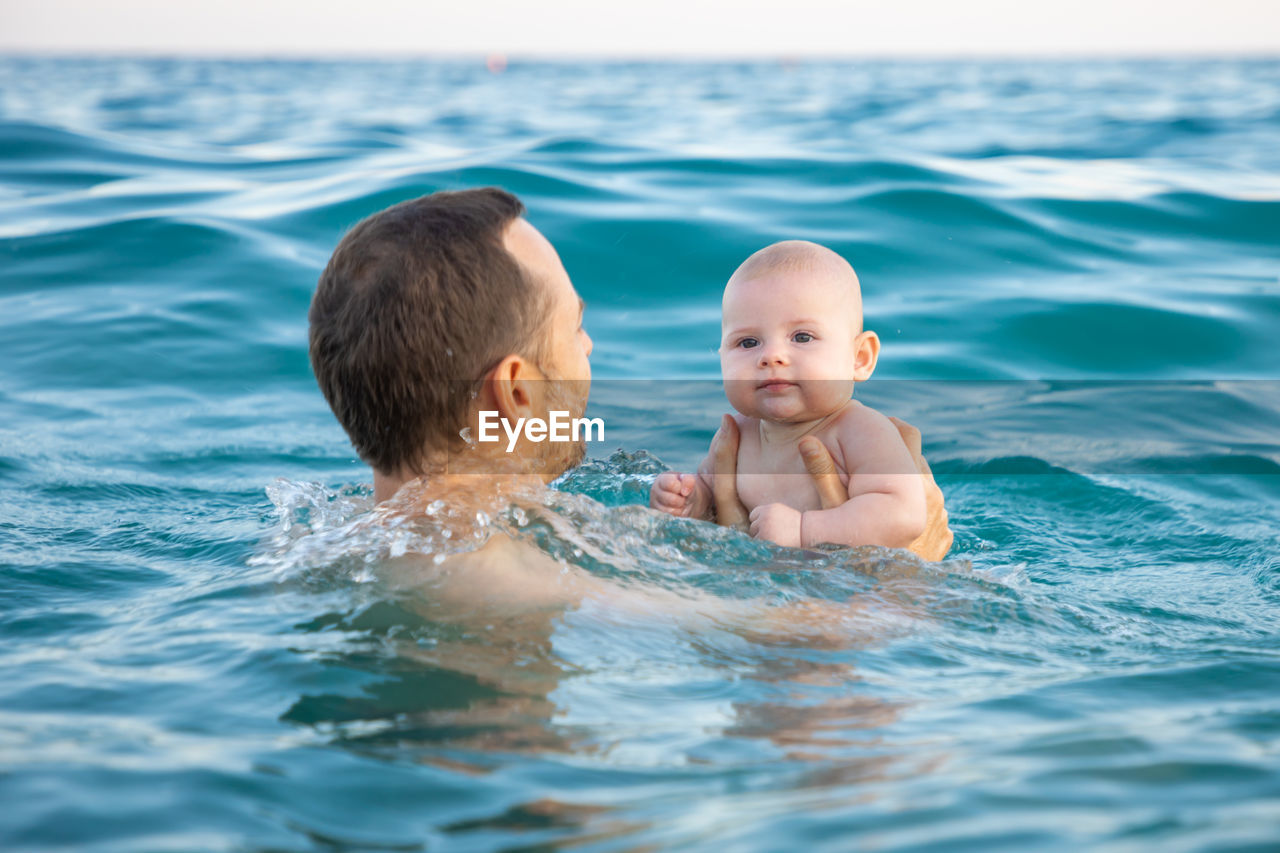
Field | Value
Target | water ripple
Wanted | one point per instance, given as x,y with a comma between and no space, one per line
1074,268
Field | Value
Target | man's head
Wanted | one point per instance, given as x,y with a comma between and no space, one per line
792,341
419,304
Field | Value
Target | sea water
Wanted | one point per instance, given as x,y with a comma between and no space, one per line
1075,271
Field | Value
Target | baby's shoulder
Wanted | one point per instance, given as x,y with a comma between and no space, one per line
863,433
861,419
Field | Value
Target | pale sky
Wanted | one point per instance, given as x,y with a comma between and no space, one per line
688,28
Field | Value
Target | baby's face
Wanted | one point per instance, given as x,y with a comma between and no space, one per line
788,345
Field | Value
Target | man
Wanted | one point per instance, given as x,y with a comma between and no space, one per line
448,305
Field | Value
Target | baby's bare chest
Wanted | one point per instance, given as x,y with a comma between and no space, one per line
777,475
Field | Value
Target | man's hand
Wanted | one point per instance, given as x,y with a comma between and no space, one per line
724,475
672,493
936,540
778,523
933,544
822,468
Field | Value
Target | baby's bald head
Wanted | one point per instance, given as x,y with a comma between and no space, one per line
803,259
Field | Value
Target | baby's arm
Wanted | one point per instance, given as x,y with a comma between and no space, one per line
684,495
712,493
886,503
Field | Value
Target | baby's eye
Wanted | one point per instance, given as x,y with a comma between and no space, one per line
748,343
802,337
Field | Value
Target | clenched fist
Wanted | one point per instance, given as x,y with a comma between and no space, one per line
778,523
673,493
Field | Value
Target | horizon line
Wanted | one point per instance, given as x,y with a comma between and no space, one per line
549,57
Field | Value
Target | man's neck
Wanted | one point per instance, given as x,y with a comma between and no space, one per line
482,484
385,486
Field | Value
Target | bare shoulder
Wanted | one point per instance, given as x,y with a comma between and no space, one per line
508,580
859,416
504,577
869,439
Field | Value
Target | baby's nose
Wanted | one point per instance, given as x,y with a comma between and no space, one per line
772,355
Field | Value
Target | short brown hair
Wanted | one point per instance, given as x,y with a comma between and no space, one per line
417,303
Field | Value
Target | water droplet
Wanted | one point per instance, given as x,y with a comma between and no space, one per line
434,507
448,351
438,559
465,433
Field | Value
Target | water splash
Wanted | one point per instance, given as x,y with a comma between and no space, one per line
591,521
341,532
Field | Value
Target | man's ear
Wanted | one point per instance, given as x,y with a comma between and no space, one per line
866,352
515,387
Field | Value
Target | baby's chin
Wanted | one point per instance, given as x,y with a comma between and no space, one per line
783,411
810,401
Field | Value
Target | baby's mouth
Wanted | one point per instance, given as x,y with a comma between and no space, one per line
775,385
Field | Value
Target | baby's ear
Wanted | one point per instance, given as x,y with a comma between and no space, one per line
866,349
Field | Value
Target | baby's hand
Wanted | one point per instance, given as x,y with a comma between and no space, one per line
672,493
778,523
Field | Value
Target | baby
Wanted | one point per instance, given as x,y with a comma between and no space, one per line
792,346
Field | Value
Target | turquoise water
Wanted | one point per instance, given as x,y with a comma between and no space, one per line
1075,269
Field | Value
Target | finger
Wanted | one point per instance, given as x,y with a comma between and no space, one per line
668,497
922,465
724,465
822,468
724,448
936,540
910,436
